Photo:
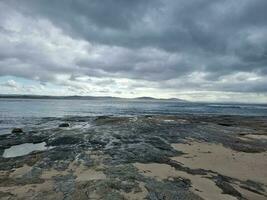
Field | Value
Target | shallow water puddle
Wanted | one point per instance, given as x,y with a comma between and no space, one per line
24,149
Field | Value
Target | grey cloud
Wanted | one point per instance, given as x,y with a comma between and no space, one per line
146,64
153,40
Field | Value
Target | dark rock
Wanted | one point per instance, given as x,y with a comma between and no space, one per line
159,143
102,117
61,165
106,189
17,130
158,190
228,189
64,125
124,173
103,120
238,146
5,195
86,160
222,182
251,189
126,178
253,186
64,141
225,124
97,143
31,177
180,167
140,152
65,184
54,156
34,173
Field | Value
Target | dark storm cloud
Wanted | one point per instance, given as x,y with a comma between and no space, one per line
172,25
154,40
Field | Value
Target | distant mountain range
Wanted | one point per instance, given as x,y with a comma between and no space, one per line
15,96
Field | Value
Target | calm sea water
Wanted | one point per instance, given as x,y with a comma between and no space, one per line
21,112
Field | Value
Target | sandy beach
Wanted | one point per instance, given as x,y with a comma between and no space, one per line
217,160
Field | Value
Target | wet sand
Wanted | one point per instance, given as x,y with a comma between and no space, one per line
201,185
218,159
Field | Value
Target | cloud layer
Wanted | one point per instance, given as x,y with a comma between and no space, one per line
134,48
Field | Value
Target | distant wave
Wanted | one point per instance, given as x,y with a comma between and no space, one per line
238,106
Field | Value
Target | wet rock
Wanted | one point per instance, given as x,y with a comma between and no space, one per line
17,130
251,189
140,152
124,173
16,162
61,165
240,146
64,125
5,195
85,159
181,182
224,124
169,190
126,178
102,117
159,143
34,173
256,185
66,185
78,119
113,195
26,179
60,154
105,189
65,140
98,142
228,189
17,139
103,120
222,182
253,186
180,167
121,178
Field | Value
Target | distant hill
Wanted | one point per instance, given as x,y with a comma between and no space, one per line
155,99
15,96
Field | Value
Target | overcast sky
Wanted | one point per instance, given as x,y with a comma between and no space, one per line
200,50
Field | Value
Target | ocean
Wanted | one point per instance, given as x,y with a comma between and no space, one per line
23,112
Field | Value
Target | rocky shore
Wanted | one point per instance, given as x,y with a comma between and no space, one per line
137,157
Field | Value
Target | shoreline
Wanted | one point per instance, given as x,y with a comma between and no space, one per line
157,156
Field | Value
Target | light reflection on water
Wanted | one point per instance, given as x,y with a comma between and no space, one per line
24,149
